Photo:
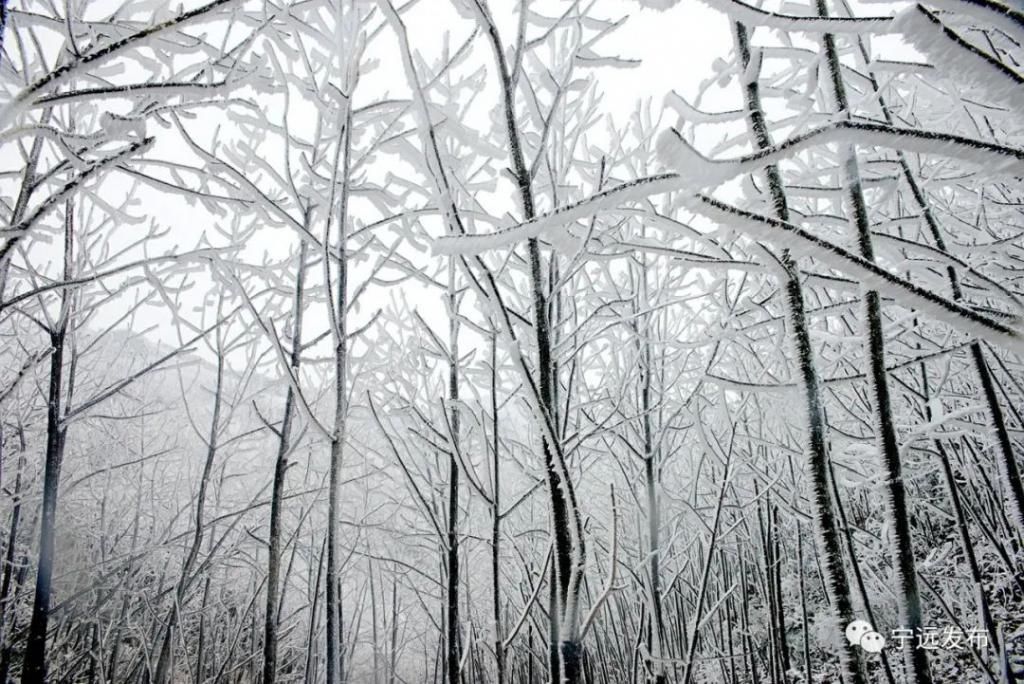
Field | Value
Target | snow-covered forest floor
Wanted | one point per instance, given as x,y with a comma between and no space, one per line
458,341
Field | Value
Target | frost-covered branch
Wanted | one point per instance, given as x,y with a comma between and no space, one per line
613,564
698,171
199,255
952,54
632,191
93,59
803,243
18,231
694,170
755,16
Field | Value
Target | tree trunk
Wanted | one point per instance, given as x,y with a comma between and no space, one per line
961,521
499,646
826,529
8,568
165,661
997,420
804,626
338,311
34,665
3,24
565,652
908,597
310,665
277,494
454,653
393,649
657,622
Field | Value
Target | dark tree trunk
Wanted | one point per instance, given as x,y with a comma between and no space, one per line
277,494
3,26
569,552
8,569
499,646
908,596
997,420
34,665
338,312
826,529
454,650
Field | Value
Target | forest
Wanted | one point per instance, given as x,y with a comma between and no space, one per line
511,341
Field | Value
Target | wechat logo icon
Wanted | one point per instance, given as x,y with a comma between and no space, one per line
861,633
